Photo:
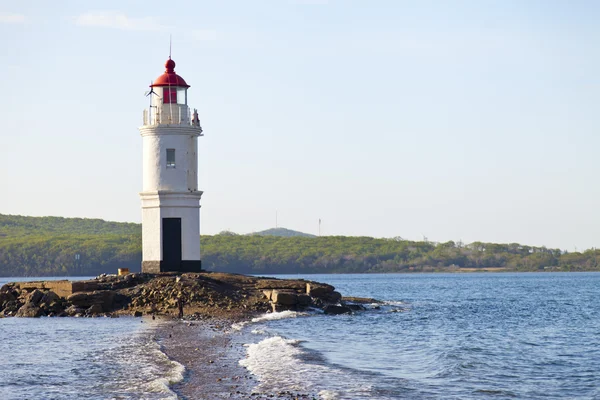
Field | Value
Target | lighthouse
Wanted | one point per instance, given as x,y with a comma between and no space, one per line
170,195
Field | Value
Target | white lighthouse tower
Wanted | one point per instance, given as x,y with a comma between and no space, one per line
170,195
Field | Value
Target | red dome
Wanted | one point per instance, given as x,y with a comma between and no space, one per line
170,78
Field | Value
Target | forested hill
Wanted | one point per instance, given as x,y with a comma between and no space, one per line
283,232
18,225
47,246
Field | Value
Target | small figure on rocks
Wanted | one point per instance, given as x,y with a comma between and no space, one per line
180,306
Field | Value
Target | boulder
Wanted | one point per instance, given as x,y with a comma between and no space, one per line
318,290
94,309
29,310
11,306
304,300
267,293
87,299
6,297
35,297
336,310
287,298
73,311
282,307
49,298
333,297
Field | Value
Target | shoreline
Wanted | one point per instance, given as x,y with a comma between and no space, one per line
210,351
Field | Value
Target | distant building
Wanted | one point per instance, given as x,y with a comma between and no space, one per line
170,195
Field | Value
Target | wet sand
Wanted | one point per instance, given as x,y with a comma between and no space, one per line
210,353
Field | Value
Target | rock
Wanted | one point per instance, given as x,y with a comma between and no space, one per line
35,297
94,309
49,298
281,307
29,310
11,306
318,290
336,310
361,300
267,293
304,300
287,298
73,311
6,297
333,297
355,307
137,314
86,299
281,284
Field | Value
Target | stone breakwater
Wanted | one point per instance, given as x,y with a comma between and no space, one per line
200,295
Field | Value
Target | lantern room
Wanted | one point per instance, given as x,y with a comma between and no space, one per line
168,99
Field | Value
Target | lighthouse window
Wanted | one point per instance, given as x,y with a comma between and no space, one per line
181,96
170,158
169,95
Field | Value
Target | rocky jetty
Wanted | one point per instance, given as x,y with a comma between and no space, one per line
197,295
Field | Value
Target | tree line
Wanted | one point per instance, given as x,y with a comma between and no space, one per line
51,246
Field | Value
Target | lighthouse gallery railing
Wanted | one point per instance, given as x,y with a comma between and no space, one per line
169,116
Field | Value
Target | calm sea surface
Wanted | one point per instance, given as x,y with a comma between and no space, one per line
441,336
437,336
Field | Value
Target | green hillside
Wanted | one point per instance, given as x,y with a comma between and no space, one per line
18,225
54,246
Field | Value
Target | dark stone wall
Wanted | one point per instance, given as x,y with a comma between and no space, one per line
154,267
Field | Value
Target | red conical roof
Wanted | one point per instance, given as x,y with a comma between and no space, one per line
170,78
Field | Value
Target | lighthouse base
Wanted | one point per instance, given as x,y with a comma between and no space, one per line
155,267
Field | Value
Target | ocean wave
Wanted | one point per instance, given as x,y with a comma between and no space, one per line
171,372
268,317
278,315
275,361
282,365
144,367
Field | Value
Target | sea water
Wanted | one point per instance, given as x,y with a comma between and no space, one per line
439,336
83,358
436,336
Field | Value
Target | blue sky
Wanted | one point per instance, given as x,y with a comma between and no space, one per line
453,120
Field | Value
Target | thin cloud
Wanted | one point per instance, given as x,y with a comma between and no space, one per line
116,20
9,18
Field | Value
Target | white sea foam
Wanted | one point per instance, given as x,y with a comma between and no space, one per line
237,326
258,332
394,303
278,315
269,357
173,373
268,317
134,366
283,365
328,395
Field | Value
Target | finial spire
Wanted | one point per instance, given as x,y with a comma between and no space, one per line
170,45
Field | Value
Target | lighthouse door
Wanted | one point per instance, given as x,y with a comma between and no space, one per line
172,241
